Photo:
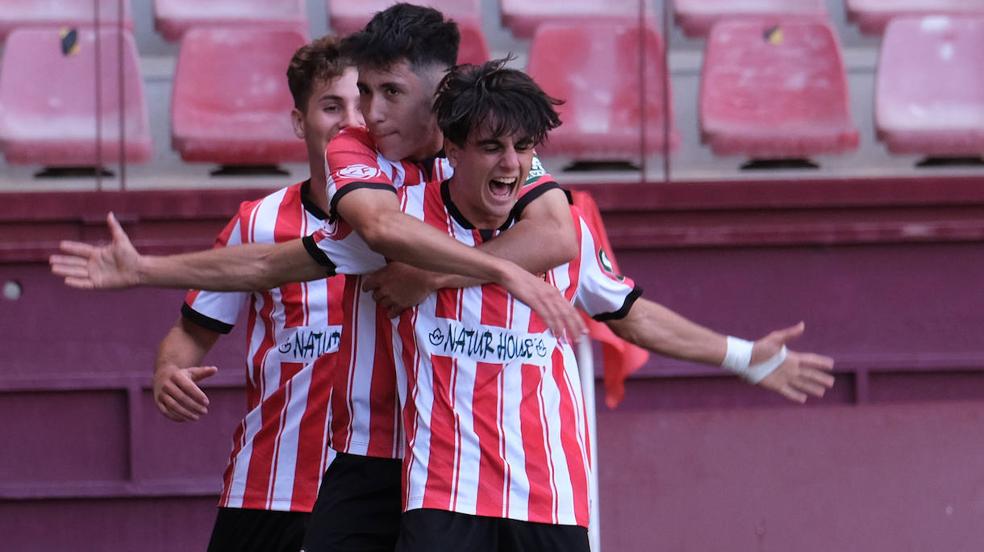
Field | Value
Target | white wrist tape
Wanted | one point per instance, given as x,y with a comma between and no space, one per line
738,359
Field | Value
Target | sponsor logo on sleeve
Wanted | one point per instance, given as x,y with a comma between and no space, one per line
357,172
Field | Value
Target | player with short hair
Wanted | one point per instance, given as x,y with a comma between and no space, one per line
541,496
279,448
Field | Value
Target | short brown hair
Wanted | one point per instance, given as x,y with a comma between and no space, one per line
317,61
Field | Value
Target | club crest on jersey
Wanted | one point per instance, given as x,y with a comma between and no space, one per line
536,171
606,264
357,171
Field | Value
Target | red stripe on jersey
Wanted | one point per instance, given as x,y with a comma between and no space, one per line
289,225
538,470
384,408
495,306
310,442
258,476
491,467
443,437
569,431
341,400
336,290
574,267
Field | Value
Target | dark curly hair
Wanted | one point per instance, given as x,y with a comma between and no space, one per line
505,100
416,34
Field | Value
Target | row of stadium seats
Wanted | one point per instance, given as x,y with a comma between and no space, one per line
172,18
769,91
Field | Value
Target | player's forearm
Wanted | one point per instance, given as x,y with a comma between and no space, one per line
657,328
185,345
402,238
239,268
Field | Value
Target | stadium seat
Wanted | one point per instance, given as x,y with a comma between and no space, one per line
929,96
873,15
773,91
231,104
696,17
348,16
49,98
595,69
172,18
524,16
60,13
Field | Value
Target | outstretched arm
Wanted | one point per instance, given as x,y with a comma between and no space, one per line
239,268
178,370
661,330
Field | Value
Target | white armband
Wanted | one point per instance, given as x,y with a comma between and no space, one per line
738,359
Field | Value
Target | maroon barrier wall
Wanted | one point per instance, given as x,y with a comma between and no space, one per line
886,273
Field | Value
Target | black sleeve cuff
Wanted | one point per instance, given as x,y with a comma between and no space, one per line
206,322
533,195
351,188
318,255
622,312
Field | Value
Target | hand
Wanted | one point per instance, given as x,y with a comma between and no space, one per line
87,266
177,394
545,300
398,287
801,374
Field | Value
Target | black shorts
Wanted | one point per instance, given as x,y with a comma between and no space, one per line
358,506
426,530
241,530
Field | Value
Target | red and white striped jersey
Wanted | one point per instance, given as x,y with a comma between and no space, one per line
365,409
279,449
491,400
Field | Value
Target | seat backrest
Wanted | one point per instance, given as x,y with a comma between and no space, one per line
172,18
49,78
523,16
764,73
56,13
872,16
696,17
234,70
596,68
348,16
930,72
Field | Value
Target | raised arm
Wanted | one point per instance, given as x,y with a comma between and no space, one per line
654,327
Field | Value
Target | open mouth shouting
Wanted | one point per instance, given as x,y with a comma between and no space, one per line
503,187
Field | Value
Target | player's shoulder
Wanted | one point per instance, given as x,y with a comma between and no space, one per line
259,216
538,174
352,139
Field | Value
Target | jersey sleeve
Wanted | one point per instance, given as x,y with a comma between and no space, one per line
342,251
601,292
214,310
351,163
538,182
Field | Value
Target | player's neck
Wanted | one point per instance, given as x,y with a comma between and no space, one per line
480,218
316,192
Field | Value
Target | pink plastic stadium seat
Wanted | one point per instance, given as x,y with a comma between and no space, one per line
49,114
172,18
594,68
524,16
60,13
775,91
873,15
349,16
231,104
929,96
696,17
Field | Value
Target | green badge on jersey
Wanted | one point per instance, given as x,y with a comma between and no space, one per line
536,171
606,264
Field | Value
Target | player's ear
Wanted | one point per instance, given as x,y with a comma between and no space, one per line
297,121
451,151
